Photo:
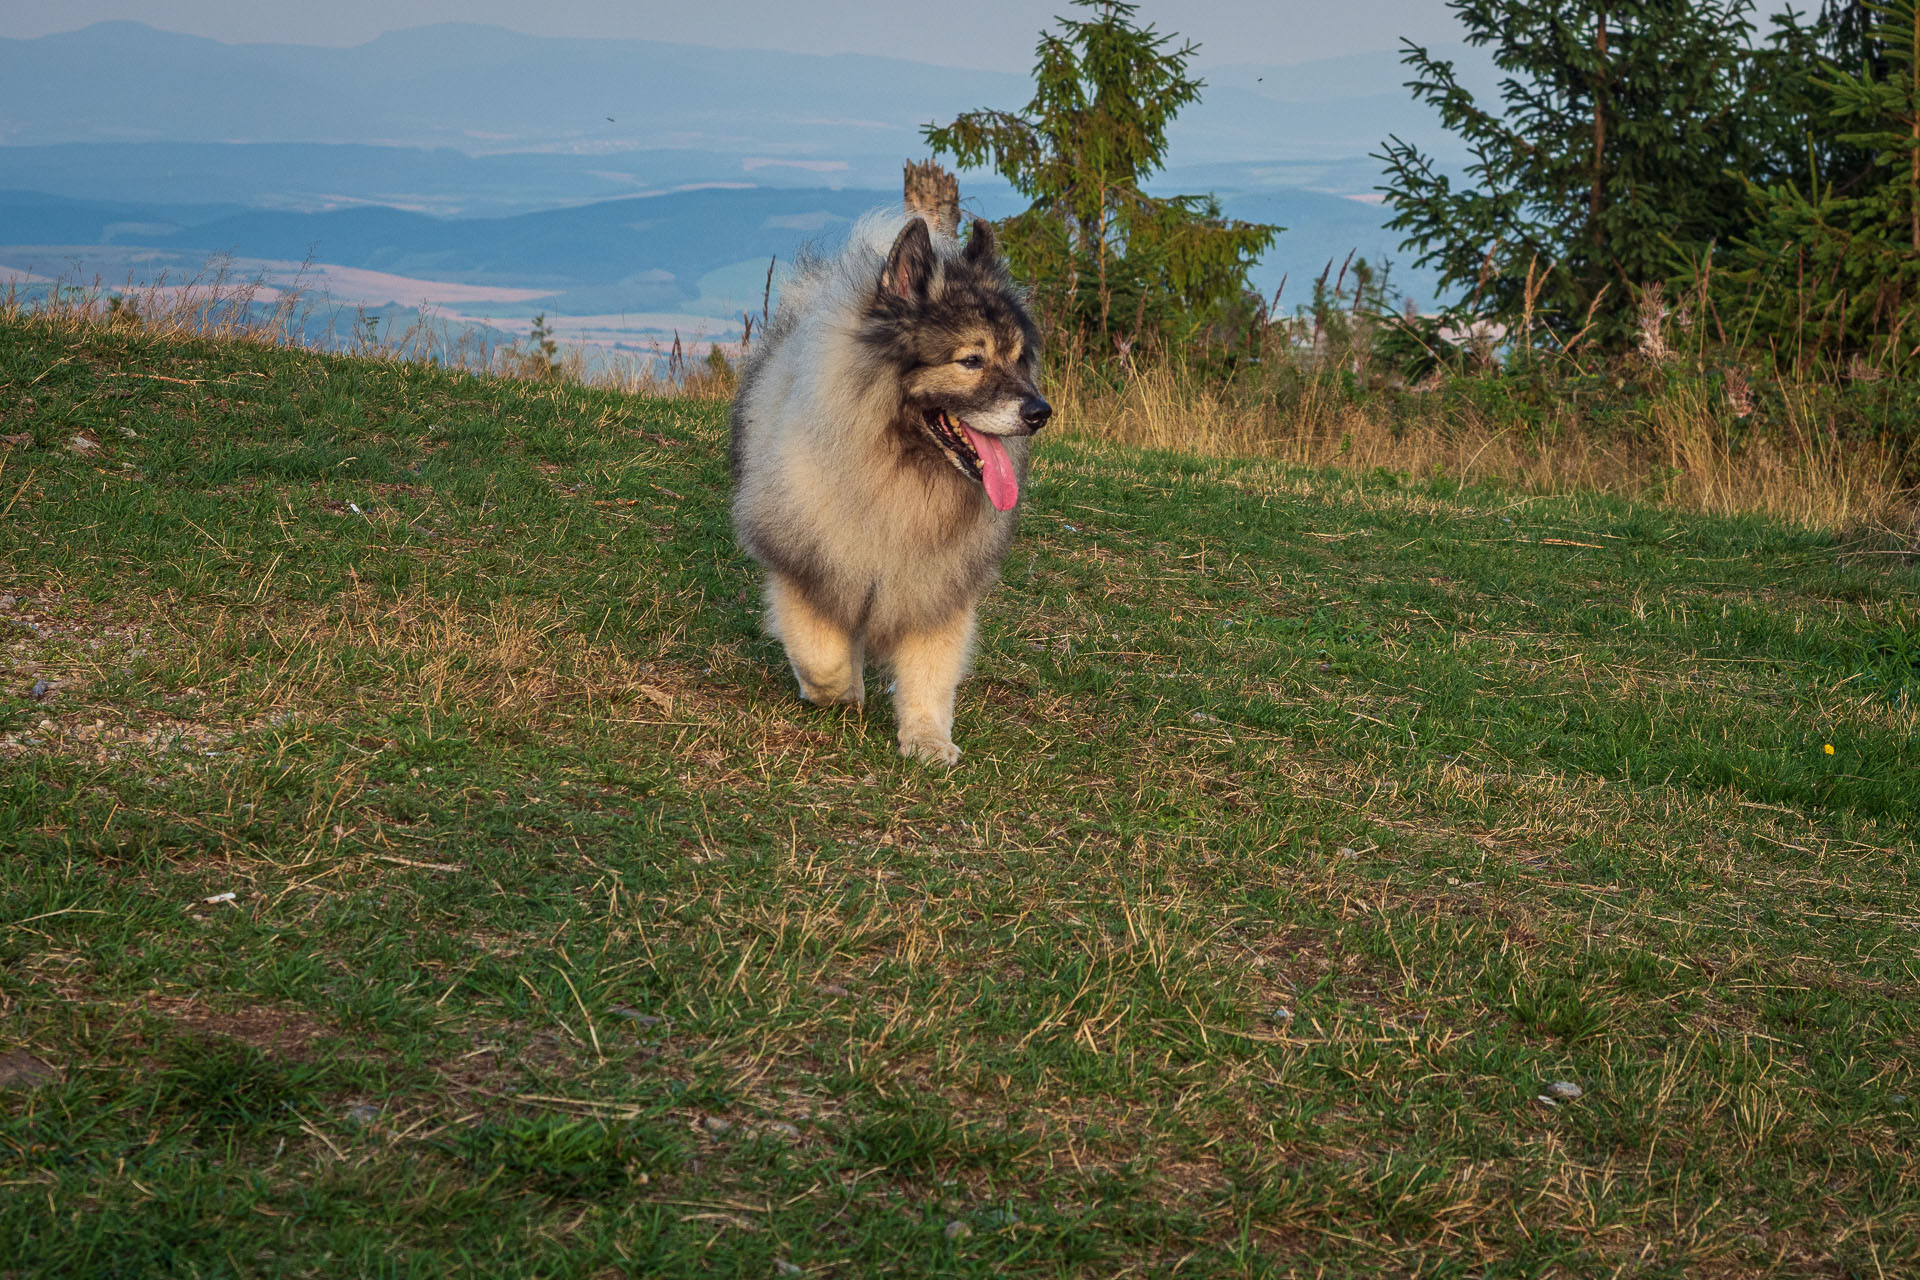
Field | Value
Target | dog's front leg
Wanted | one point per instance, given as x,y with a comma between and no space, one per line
927,667
826,658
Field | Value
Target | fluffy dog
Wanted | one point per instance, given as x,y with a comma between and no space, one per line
879,448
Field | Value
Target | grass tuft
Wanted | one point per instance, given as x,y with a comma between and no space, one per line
565,1157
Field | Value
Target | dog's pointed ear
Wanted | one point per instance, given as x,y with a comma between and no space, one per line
980,243
909,270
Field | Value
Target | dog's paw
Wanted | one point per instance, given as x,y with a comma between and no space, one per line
927,747
820,697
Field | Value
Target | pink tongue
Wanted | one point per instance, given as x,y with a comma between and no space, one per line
996,470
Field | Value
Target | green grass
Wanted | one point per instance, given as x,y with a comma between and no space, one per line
1310,826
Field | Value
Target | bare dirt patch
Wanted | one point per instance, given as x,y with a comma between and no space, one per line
272,1029
19,1070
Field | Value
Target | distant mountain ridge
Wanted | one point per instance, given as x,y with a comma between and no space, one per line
313,177
634,254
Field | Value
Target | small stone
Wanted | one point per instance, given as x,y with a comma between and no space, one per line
24,1071
1348,851
716,1126
1282,1015
1564,1089
781,1267
636,1017
83,445
781,1129
7,602
1202,717
364,1114
1897,1099
40,691
957,1230
831,989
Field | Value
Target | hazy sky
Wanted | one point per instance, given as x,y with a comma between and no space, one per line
995,34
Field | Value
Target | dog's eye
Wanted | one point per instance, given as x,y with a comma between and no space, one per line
971,362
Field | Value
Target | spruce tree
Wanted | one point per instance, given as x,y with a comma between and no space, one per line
1106,259
1831,268
1612,159
1878,107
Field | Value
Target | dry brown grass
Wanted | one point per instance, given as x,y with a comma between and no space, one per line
656,375
1682,453
223,304
217,302
506,659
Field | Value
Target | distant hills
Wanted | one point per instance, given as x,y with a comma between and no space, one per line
468,154
639,254
319,176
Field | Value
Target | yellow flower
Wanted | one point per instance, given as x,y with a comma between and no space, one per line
1829,748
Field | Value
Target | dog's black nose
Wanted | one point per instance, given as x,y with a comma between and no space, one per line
1035,412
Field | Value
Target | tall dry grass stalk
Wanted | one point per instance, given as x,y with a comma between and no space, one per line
652,375
1681,453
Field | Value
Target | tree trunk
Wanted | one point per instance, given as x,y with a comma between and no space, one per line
1913,111
1106,298
1597,196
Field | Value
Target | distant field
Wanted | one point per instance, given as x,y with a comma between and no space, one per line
331,296
418,864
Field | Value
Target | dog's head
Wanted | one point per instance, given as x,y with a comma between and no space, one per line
967,353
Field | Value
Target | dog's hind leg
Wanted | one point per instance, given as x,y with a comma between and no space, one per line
927,667
826,657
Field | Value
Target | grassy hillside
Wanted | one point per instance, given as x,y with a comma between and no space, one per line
419,864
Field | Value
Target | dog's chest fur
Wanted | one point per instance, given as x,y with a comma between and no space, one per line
890,541
834,487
